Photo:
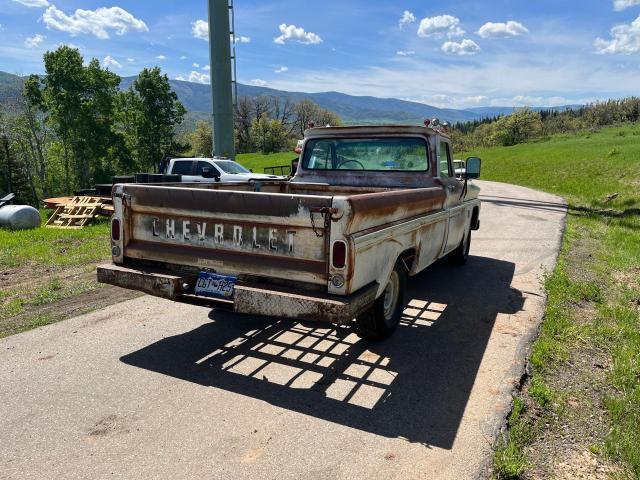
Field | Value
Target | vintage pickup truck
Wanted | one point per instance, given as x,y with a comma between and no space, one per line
368,208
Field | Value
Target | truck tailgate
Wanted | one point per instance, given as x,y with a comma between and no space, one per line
231,232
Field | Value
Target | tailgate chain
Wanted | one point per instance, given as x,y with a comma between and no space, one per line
326,213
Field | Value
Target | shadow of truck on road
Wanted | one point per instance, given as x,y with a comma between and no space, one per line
415,385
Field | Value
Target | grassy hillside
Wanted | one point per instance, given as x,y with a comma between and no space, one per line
586,169
580,409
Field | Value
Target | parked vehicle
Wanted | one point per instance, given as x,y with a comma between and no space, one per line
368,208
459,167
210,170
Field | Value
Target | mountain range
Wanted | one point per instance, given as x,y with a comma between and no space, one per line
352,109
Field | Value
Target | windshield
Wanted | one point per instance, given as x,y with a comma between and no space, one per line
371,154
227,166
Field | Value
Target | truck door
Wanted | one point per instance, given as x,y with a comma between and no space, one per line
453,189
184,168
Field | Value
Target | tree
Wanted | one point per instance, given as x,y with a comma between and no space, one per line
151,111
6,155
518,127
243,119
78,101
284,111
268,135
308,112
202,140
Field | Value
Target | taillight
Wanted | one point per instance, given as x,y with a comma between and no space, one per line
115,229
339,258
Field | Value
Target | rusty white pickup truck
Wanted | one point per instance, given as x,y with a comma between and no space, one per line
368,208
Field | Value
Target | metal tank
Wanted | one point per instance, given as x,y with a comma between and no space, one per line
19,217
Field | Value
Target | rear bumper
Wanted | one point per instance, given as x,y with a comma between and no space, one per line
249,299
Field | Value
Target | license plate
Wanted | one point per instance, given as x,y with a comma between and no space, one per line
213,285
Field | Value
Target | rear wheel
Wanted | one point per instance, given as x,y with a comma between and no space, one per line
461,254
383,317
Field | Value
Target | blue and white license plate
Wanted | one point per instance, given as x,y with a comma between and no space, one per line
213,285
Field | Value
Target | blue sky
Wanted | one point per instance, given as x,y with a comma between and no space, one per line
450,54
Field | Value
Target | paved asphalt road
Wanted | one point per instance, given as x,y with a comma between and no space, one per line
150,389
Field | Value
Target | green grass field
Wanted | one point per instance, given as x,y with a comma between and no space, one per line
46,247
593,311
258,161
585,169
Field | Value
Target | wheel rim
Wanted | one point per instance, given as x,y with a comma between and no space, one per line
390,299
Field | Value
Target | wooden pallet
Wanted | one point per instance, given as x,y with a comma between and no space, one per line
55,203
77,213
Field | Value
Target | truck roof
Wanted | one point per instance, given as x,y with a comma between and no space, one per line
365,130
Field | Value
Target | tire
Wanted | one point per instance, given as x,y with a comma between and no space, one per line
383,317
461,254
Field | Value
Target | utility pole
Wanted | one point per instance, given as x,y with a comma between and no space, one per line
222,76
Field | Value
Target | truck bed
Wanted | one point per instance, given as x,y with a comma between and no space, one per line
276,231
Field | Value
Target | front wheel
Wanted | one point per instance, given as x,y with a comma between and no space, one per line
461,254
383,317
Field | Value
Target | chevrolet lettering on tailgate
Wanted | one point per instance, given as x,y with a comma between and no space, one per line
223,235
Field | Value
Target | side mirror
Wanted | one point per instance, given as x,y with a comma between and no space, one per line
474,165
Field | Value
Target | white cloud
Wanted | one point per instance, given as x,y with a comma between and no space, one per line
243,39
281,69
619,5
407,19
36,40
625,39
93,22
33,3
110,62
298,34
196,65
256,82
502,30
198,77
206,68
161,57
183,57
131,60
501,78
181,78
200,29
440,26
466,47
405,53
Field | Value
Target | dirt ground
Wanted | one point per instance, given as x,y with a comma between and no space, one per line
76,292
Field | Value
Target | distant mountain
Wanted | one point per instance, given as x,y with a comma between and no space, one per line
10,87
352,109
